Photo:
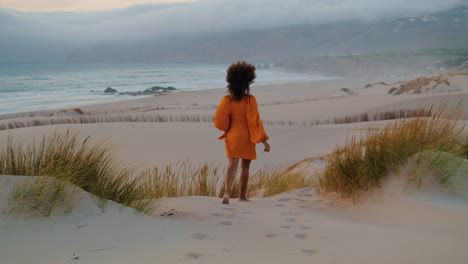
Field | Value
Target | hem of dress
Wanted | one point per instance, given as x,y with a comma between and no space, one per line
241,158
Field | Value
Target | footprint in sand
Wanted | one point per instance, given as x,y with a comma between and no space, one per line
223,215
271,235
310,252
226,223
302,236
216,214
201,236
290,213
233,210
283,200
290,219
303,227
195,255
280,205
169,213
286,226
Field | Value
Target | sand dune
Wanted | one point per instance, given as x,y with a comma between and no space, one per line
293,227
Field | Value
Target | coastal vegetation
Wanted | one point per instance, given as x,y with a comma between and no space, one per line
70,159
424,84
170,118
42,195
61,163
186,179
432,141
437,143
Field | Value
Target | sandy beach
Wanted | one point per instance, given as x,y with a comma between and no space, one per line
304,122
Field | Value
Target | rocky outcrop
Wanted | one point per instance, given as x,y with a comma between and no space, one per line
155,90
151,91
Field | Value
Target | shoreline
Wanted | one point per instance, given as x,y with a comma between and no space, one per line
35,88
329,84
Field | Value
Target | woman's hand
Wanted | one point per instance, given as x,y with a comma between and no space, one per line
266,145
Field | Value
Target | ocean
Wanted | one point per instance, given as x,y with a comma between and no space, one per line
34,87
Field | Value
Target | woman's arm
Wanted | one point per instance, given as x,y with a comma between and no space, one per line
257,132
222,119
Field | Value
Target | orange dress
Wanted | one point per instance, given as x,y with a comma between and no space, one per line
241,123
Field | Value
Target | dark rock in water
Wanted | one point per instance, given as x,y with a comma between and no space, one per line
156,90
110,90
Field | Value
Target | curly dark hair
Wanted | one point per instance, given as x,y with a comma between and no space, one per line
240,76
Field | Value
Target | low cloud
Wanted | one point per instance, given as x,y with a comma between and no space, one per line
157,21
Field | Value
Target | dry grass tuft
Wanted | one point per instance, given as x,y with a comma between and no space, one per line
71,161
67,158
186,179
363,163
89,119
158,118
183,179
369,85
276,180
464,148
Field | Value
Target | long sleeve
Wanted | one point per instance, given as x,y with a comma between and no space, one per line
222,119
257,132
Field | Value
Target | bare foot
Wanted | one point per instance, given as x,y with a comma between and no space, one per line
225,199
244,199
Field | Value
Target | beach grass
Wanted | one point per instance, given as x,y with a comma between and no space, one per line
41,196
359,166
186,179
464,148
183,179
9,124
69,160
67,157
96,119
446,169
362,164
275,180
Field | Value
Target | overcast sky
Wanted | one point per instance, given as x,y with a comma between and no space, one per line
210,15
75,5
74,29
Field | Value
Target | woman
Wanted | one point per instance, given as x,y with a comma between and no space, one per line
237,115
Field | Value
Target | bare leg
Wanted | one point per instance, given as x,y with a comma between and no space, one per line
229,178
244,179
